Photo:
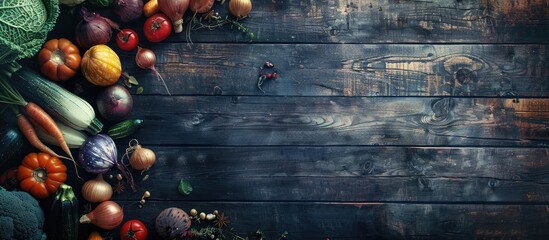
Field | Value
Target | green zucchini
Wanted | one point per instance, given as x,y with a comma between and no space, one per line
60,103
63,217
73,137
124,128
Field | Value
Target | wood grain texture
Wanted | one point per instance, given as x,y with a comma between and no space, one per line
381,174
361,21
365,220
349,70
390,119
253,121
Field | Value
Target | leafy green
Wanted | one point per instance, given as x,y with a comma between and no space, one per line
185,187
24,25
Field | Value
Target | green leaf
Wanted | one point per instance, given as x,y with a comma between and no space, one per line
133,80
139,90
185,187
127,84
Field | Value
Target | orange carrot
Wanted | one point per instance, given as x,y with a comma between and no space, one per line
28,131
150,8
43,119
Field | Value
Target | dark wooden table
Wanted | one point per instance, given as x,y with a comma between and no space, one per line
389,119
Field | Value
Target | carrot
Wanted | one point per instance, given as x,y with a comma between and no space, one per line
28,131
43,119
43,128
150,8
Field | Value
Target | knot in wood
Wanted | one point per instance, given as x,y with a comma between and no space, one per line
424,183
367,167
465,76
493,183
442,109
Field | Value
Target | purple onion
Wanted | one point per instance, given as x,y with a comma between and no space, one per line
98,155
128,10
93,29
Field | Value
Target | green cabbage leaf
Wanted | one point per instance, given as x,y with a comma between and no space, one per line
24,25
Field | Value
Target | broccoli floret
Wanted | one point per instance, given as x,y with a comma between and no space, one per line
20,216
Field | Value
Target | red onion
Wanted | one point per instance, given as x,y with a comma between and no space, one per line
114,103
98,154
145,59
107,215
201,6
174,9
94,29
128,10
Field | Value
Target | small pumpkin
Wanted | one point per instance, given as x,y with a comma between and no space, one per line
59,59
101,66
40,174
172,222
95,236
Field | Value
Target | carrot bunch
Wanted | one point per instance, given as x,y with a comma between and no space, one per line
30,116
34,116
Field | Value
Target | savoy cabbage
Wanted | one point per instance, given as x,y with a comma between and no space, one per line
24,25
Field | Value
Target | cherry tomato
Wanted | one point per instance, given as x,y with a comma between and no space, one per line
133,230
127,39
157,27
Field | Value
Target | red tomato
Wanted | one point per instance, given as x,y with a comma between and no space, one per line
127,39
133,230
157,27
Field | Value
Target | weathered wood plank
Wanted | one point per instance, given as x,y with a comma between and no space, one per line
363,220
350,70
253,121
387,21
349,174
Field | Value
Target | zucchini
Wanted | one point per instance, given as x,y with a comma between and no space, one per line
60,103
63,217
124,128
13,146
73,137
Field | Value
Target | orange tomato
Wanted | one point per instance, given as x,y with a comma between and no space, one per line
40,174
59,59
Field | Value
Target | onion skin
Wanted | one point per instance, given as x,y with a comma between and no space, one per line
94,29
98,154
174,9
201,6
114,103
92,33
145,58
97,190
240,8
128,10
142,159
108,215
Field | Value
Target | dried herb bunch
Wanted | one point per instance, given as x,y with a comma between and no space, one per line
214,19
215,226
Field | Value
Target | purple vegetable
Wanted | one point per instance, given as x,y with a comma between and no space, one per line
114,103
93,29
128,10
98,154
172,222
